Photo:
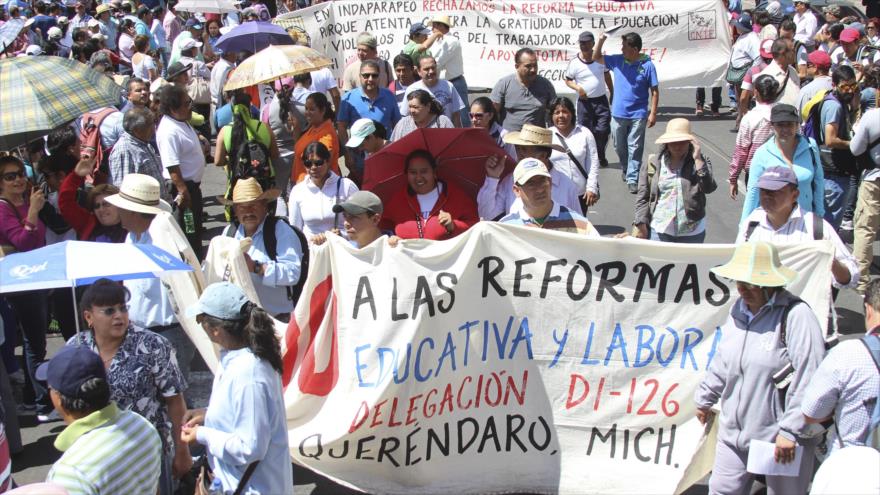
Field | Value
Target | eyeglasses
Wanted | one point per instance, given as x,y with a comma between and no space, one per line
871,27
370,75
313,163
112,310
11,176
477,115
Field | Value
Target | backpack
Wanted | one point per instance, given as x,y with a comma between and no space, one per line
872,343
90,135
270,241
251,159
812,117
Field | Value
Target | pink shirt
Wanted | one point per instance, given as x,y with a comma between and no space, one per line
12,231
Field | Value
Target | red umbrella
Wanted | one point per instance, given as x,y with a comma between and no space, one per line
460,153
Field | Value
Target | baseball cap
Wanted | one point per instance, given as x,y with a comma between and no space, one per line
849,35
193,23
54,33
176,69
143,10
360,202
775,178
99,37
221,300
72,366
766,49
33,50
189,43
367,39
93,23
586,36
419,28
360,130
63,20
784,113
858,26
528,168
820,59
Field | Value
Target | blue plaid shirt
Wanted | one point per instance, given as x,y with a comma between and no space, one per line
130,155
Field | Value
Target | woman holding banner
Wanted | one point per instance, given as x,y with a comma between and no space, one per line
770,346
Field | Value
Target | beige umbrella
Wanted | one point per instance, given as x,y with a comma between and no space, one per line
275,62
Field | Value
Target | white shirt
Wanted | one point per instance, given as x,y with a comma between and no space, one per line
444,92
583,146
323,81
496,196
799,228
447,53
865,132
219,75
311,209
179,146
589,76
807,25
746,49
792,87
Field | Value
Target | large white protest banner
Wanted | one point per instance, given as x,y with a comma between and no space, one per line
688,40
510,359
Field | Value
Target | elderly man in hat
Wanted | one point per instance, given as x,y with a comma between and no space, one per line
366,50
532,185
592,82
779,220
450,63
275,256
105,449
140,205
497,197
107,25
362,212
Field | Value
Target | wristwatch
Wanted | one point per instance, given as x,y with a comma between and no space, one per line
258,268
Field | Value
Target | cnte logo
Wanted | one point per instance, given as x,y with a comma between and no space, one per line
25,271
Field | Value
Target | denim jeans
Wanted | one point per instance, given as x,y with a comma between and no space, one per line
836,195
595,115
31,309
629,143
460,85
684,239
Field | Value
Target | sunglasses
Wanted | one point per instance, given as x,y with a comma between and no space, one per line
11,176
102,204
477,115
370,75
112,310
313,163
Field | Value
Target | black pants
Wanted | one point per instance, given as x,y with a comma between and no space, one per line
716,98
195,202
595,115
31,310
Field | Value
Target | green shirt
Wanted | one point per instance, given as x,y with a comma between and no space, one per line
412,49
108,451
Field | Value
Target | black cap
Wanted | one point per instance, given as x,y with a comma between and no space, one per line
784,113
143,10
585,37
176,69
72,366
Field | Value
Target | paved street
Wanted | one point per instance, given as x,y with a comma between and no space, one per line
612,214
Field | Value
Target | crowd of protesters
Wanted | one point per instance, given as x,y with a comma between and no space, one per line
803,92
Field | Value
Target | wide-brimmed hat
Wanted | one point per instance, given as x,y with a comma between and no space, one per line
247,190
100,9
756,263
677,130
442,19
532,135
176,69
140,193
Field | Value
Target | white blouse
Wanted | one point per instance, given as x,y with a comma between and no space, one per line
311,209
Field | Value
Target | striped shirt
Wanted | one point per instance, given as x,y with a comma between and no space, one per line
754,130
108,451
799,228
130,155
845,384
560,219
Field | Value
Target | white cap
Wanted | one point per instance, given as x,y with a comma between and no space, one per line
360,130
528,168
33,50
99,37
55,33
189,43
93,23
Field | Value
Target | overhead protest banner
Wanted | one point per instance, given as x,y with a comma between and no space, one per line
688,40
510,359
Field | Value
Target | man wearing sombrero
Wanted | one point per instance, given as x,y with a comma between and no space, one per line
273,274
496,198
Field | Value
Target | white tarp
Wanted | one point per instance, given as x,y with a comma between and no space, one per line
511,359
688,40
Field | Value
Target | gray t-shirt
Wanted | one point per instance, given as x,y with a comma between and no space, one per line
284,139
444,92
521,105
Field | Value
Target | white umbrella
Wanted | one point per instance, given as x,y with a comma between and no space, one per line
274,62
207,6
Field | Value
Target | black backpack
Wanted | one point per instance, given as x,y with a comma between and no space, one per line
251,159
271,242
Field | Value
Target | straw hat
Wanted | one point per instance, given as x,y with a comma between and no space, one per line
139,193
756,263
442,19
247,190
677,130
532,135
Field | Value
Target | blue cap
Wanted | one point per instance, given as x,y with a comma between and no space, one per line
775,178
419,28
221,300
72,366
193,23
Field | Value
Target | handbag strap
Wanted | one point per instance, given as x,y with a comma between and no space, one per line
336,202
784,83
245,477
572,157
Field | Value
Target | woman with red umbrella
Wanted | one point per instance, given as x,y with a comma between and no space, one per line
428,208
